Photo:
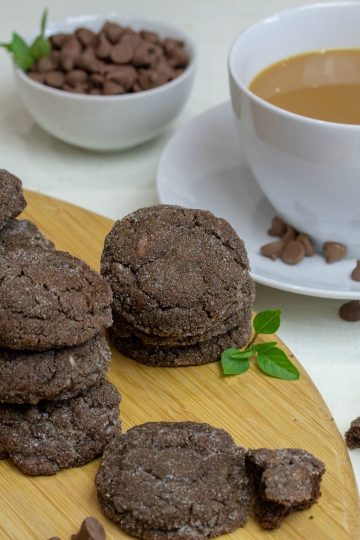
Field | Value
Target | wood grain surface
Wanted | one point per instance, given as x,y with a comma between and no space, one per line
258,411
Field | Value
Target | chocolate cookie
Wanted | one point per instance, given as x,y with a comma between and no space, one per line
28,377
188,355
42,439
240,316
175,270
22,233
50,300
12,201
174,480
286,480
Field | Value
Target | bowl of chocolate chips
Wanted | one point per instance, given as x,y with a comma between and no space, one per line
109,83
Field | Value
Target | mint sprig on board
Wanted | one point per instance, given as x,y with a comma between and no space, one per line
25,55
269,358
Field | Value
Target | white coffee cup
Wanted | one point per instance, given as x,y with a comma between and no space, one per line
308,169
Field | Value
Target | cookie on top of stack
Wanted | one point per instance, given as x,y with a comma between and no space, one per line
57,409
181,287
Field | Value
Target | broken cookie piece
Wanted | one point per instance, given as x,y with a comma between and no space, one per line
352,436
12,201
285,481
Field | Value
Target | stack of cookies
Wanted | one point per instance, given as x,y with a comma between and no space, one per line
57,409
181,287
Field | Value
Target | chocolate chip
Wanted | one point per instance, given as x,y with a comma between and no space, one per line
38,77
97,79
273,250
293,252
123,75
77,89
76,76
95,92
334,251
278,227
149,78
55,79
112,31
58,40
69,53
111,88
355,274
350,311
85,36
289,235
104,47
144,55
43,65
122,53
306,242
150,37
91,529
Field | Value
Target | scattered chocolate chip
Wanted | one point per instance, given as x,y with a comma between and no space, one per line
306,242
273,250
334,251
293,252
290,234
350,311
278,227
91,529
352,436
355,274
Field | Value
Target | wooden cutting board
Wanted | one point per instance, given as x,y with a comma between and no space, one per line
257,410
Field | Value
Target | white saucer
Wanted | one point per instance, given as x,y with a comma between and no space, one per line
202,167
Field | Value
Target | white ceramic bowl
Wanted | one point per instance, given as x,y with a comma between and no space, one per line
309,169
108,122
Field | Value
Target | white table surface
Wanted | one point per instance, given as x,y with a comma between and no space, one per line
115,184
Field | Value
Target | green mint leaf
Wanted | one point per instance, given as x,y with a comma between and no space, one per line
41,47
267,322
238,355
43,22
6,46
275,363
233,366
21,52
263,347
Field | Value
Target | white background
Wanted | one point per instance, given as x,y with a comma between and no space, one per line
117,183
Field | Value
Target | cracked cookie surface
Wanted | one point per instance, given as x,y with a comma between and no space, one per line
175,480
42,439
12,201
174,270
22,233
28,377
50,299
